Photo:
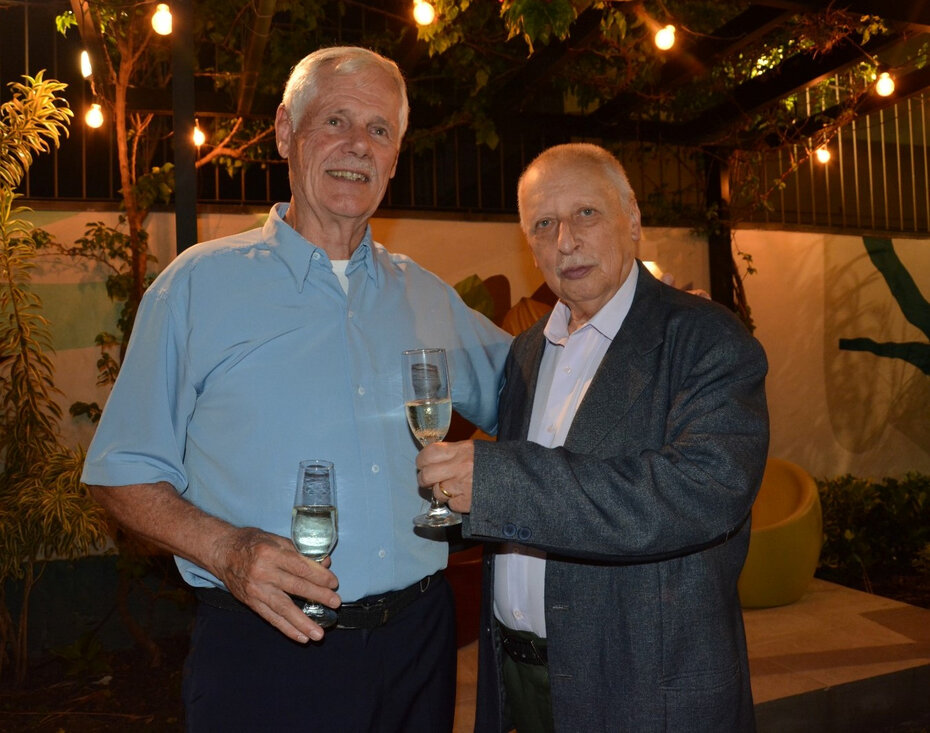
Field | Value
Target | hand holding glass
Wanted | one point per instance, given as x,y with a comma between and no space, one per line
313,524
428,403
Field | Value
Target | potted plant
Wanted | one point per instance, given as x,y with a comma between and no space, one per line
45,512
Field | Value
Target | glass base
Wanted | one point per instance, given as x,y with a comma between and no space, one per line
440,516
323,615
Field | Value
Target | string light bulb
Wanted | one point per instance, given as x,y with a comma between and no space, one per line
823,154
199,137
161,20
94,116
423,12
665,38
884,85
86,70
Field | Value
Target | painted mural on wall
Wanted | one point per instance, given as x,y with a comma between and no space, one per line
877,344
914,306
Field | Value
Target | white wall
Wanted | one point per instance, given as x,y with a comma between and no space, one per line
832,411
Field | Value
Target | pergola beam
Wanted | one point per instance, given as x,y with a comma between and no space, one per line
912,13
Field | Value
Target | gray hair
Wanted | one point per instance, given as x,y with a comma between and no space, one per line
573,153
303,85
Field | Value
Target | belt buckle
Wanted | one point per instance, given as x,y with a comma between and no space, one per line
523,650
378,606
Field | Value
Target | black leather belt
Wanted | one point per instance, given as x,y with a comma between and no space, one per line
366,613
523,647
374,611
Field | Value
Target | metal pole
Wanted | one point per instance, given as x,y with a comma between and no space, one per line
182,89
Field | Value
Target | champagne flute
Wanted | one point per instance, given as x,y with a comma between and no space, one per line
428,404
313,524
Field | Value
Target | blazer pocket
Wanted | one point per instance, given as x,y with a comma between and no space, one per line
709,701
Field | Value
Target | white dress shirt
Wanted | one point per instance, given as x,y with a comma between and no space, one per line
569,363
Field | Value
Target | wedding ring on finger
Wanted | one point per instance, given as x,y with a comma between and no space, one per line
445,493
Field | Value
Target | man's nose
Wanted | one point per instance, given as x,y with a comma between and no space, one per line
357,140
566,241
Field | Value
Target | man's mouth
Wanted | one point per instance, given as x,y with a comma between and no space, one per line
346,175
575,272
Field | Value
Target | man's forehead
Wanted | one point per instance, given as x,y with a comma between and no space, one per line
347,93
577,182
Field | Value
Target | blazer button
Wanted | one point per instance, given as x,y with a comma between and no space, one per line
510,530
524,533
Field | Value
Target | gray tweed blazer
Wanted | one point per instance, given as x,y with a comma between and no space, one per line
644,516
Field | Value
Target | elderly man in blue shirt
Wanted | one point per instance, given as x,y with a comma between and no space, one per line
255,351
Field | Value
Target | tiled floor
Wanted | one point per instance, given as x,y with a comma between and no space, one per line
837,660
465,696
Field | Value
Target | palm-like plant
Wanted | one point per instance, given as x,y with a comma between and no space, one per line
44,510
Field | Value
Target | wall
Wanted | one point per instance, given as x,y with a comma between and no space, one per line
833,411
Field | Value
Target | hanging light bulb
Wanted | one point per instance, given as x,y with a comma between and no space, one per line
823,154
884,86
161,20
199,137
86,71
94,116
423,12
665,38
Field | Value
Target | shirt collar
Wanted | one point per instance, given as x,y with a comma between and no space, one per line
606,321
299,253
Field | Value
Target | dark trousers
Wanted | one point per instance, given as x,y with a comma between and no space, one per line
244,675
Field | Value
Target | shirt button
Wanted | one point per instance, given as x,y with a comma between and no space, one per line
375,468
382,554
351,314
361,391
568,370
316,255
518,614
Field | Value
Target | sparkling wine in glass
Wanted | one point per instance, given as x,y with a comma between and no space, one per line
313,524
428,404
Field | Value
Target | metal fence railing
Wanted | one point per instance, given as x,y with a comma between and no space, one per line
877,179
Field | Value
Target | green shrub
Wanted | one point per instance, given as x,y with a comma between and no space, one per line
874,529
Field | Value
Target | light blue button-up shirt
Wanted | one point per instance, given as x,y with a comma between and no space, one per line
247,357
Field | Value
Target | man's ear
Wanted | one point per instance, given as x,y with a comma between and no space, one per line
283,131
636,227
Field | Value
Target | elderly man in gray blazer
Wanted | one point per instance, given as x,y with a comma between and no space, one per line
632,441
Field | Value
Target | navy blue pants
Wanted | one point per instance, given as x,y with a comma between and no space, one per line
243,675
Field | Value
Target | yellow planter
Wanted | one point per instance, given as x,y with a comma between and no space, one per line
787,534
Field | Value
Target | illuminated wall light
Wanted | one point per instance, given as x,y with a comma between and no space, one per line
423,12
884,86
823,154
94,116
653,268
161,20
199,137
665,38
86,71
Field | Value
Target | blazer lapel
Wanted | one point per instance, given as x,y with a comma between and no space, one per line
625,371
516,405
